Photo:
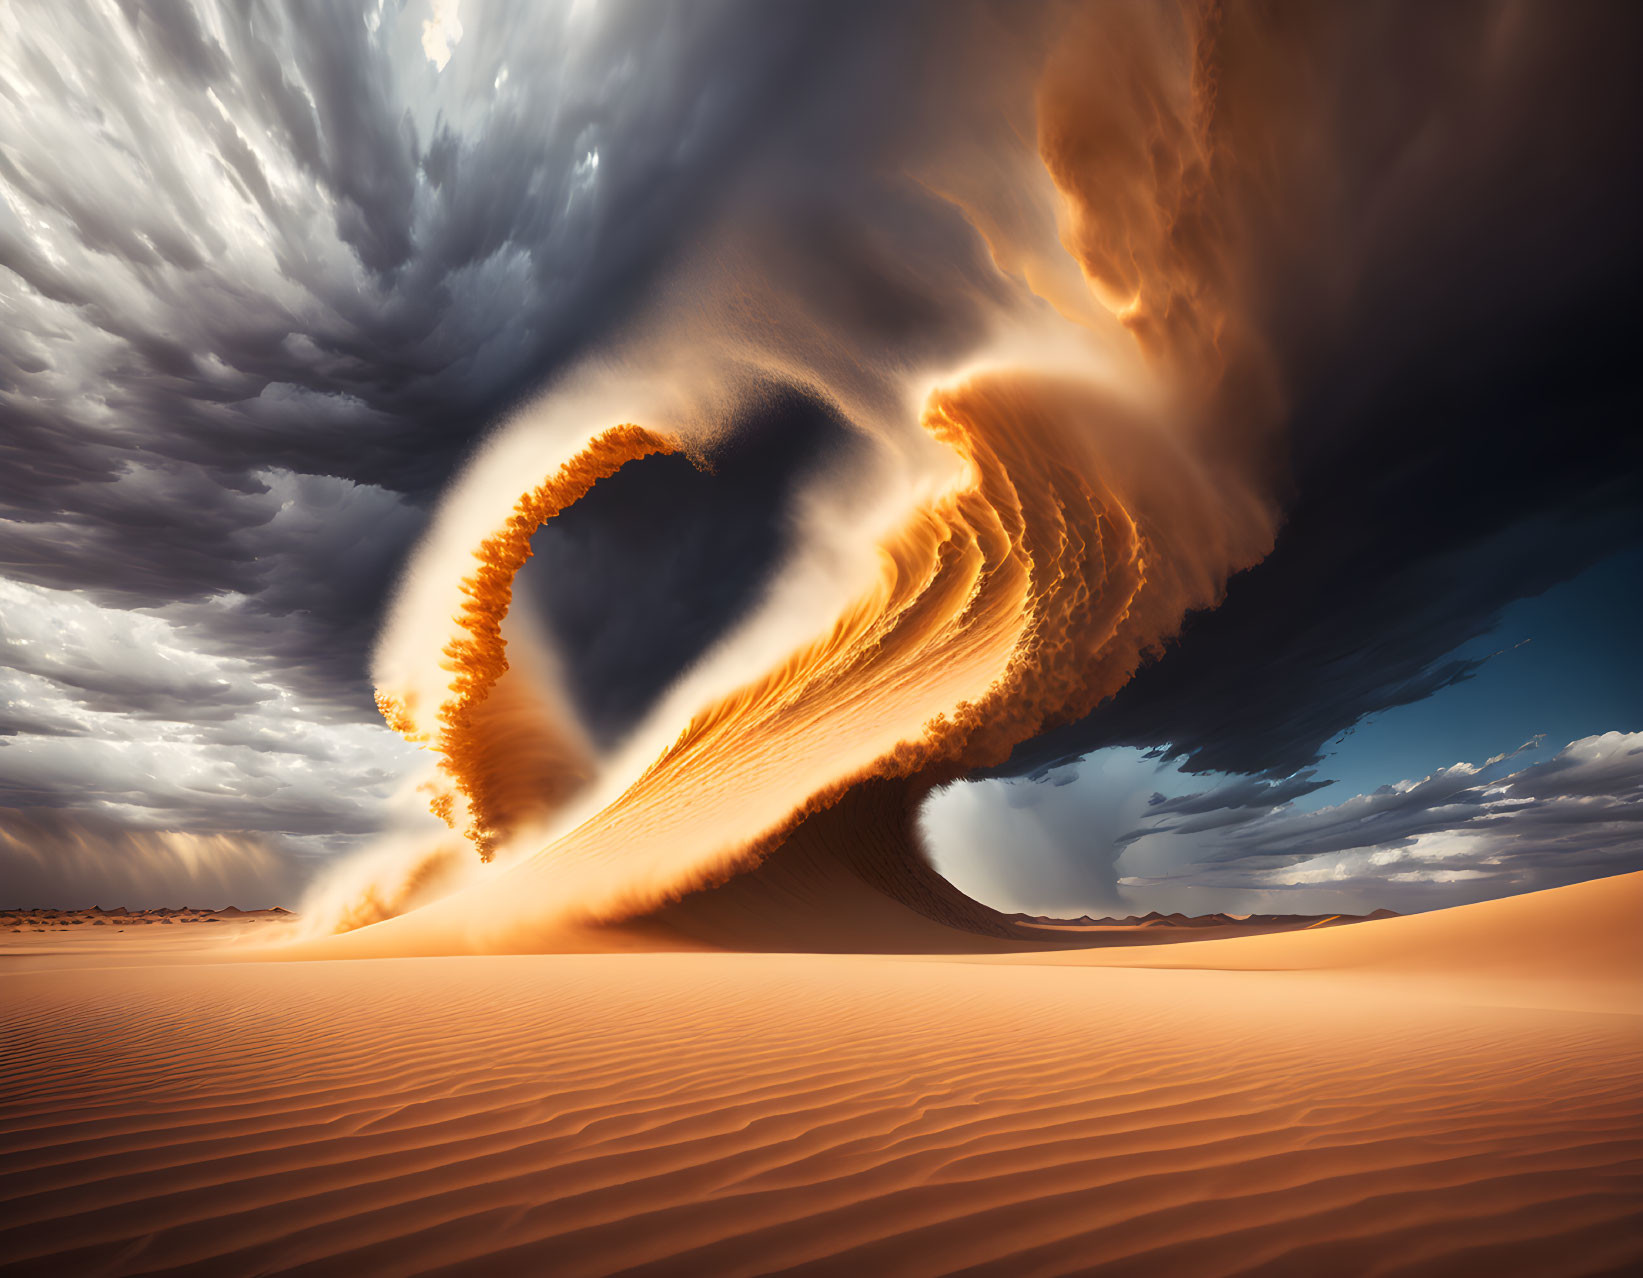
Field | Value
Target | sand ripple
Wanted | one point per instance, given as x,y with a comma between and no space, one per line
731,1114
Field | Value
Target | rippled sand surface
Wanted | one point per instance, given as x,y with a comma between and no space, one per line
1453,1093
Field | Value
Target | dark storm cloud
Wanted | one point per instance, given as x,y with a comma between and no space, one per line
246,786
1240,793
128,715
367,310
1459,337
623,647
267,276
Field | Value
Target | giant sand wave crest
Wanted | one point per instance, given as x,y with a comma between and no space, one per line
1017,598
1082,508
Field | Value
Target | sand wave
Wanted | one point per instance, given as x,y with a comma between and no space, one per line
1022,595
1087,475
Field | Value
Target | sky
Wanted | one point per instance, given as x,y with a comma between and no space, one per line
270,277
1557,667
1559,692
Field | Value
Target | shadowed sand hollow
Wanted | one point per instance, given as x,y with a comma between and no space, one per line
1449,1093
852,877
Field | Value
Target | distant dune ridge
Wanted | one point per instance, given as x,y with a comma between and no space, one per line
1449,1093
119,915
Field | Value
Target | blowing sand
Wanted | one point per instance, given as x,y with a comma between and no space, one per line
1455,1093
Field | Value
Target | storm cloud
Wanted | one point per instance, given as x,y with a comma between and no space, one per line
1122,832
249,250
269,275
1458,332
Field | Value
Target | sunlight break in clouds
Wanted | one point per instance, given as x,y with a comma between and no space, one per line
442,32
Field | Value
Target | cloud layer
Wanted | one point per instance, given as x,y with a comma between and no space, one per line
1469,831
267,277
1126,833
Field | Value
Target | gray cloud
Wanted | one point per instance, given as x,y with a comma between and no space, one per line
1046,847
242,241
69,860
1239,794
1464,832
1123,832
125,715
267,275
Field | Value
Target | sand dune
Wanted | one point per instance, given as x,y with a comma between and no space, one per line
1574,946
720,1113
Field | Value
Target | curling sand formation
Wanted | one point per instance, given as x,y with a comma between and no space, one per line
1034,524
1020,596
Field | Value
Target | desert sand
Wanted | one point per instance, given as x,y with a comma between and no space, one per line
1448,1093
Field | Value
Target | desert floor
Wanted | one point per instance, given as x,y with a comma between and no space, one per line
1453,1093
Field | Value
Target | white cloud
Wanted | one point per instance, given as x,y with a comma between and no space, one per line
1464,832
133,716
1120,832
441,32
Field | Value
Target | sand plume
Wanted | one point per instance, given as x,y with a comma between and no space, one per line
488,749
1084,477
1072,542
